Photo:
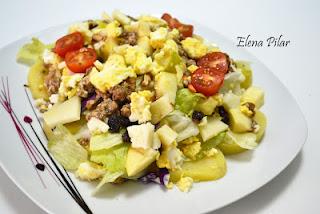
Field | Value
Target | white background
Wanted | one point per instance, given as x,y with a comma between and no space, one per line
297,188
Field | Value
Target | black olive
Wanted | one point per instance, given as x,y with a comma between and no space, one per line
197,116
224,114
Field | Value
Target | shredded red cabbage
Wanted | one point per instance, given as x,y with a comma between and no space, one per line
84,101
161,177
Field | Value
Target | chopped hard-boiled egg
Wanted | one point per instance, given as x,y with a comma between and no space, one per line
136,57
97,126
140,106
195,48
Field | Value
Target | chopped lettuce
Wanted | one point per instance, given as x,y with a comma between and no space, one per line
181,124
107,178
104,141
186,100
113,159
65,148
244,140
209,144
30,52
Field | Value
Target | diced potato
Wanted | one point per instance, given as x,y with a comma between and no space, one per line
239,122
213,127
139,159
230,148
166,83
36,77
160,108
207,105
61,113
253,95
261,119
208,168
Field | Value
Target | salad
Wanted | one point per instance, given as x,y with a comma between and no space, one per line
144,99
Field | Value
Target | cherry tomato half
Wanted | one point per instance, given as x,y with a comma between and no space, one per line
79,61
185,30
216,60
70,42
207,81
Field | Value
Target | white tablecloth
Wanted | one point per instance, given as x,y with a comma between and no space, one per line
296,189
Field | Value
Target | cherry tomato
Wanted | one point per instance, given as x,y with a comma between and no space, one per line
185,30
216,60
79,61
70,42
207,81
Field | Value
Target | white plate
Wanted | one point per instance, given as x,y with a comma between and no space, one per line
285,136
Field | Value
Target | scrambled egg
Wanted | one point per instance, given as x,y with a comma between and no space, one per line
89,171
211,152
152,21
167,58
114,72
136,57
69,83
113,29
244,108
171,158
83,28
97,126
140,106
158,37
190,140
191,150
195,48
185,184
174,34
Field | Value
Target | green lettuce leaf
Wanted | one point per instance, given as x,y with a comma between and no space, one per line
186,100
209,144
30,52
65,148
104,141
107,178
113,159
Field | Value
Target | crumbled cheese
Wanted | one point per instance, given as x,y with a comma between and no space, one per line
62,65
54,98
97,126
50,57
